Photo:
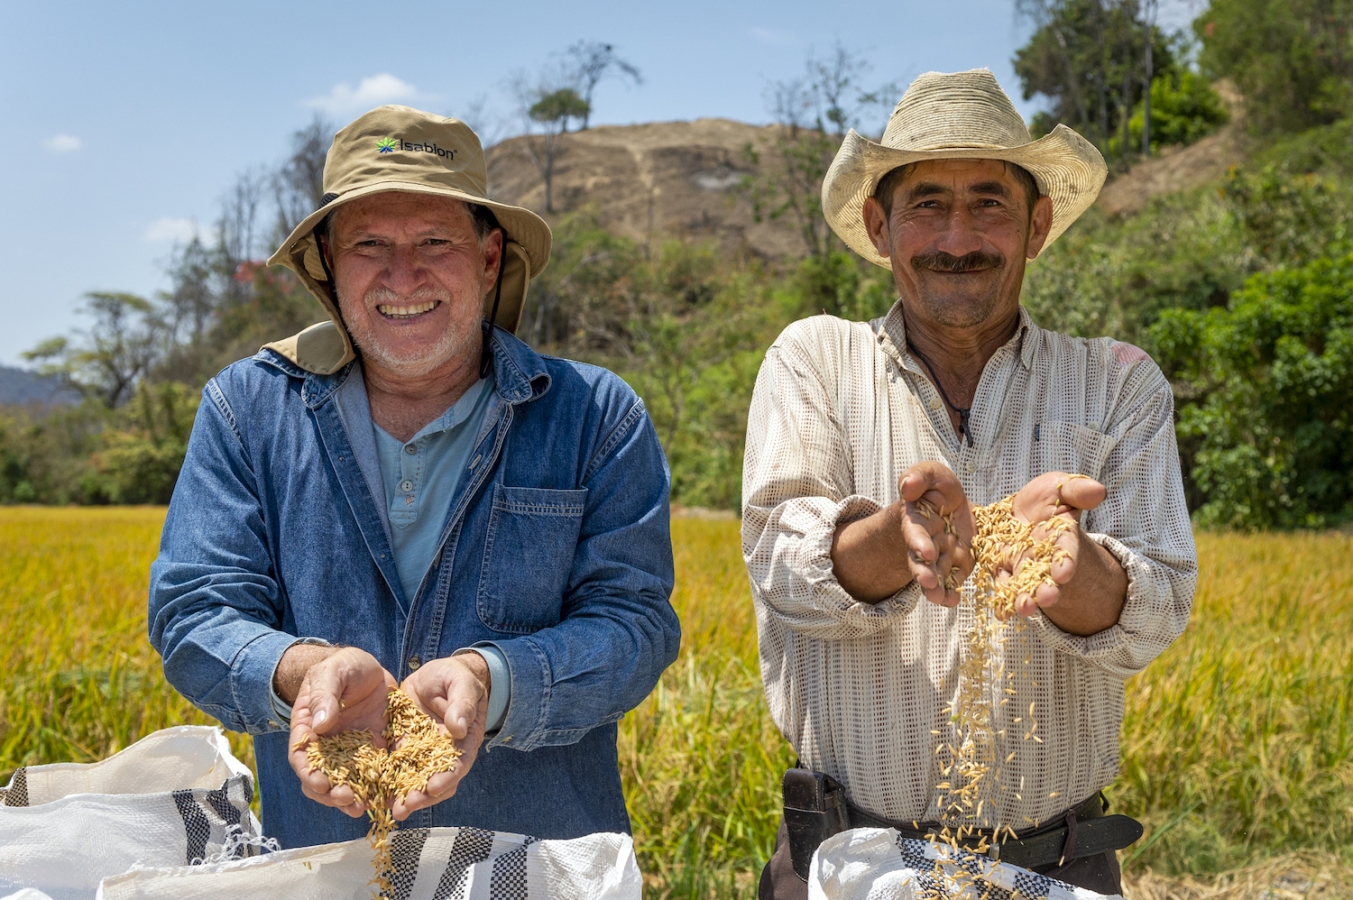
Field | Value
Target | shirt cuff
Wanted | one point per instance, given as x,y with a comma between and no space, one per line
281,708
500,683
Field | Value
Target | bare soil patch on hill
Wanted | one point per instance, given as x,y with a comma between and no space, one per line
650,182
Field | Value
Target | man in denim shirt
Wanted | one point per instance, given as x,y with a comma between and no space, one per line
408,495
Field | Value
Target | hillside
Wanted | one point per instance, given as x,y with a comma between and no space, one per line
1181,168
675,179
680,179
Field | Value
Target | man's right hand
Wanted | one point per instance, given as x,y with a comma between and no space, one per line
875,557
938,557
342,689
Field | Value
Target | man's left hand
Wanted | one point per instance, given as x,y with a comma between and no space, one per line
1089,586
455,692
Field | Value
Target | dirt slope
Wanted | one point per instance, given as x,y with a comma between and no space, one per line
1180,168
674,179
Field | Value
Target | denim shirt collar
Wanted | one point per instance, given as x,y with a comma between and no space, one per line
519,373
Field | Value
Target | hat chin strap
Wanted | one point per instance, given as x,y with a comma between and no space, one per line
485,356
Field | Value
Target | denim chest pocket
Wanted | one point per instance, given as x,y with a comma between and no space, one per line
528,554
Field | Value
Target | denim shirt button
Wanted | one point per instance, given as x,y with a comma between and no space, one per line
415,661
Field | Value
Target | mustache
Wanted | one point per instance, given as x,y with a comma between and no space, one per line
939,261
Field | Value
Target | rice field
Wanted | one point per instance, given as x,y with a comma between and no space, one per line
1237,748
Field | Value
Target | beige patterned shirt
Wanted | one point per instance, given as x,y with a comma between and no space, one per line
839,412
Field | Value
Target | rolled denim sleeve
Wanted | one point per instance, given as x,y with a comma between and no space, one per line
215,610
618,631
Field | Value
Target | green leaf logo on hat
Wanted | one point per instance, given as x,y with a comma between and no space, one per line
386,145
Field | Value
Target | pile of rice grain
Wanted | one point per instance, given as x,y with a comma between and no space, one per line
972,770
378,776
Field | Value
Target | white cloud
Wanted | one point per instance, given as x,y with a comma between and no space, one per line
168,228
772,36
371,91
62,143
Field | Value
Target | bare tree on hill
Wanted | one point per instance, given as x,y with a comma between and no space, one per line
545,105
813,114
593,61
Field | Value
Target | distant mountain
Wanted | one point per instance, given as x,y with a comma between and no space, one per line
20,387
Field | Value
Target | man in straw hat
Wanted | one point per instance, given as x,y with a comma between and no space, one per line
956,398
409,495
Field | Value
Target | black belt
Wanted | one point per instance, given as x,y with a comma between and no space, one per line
1080,832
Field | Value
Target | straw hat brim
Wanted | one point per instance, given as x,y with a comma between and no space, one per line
526,252
1068,169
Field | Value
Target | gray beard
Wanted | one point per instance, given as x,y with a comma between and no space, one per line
449,345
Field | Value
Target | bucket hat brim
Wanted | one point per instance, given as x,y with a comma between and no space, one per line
325,348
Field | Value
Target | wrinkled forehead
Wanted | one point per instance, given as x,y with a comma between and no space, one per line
400,209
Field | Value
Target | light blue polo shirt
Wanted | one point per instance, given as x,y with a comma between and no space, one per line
421,474
419,477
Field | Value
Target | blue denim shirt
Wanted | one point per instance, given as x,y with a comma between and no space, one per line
556,551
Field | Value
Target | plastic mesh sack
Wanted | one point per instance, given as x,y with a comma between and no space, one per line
880,864
172,798
189,756
430,864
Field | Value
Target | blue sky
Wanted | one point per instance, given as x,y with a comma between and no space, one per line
125,123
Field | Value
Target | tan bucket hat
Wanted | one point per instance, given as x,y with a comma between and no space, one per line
395,148
963,115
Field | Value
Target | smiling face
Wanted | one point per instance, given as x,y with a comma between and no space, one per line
411,275
958,235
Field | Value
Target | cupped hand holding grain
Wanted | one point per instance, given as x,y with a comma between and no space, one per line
909,540
454,691
345,690
1088,586
937,529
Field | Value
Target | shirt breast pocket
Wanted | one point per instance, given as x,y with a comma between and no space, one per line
1072,448
528,554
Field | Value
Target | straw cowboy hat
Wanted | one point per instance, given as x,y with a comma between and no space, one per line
964,115
395,148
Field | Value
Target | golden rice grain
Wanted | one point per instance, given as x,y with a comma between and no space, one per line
377,777
973,776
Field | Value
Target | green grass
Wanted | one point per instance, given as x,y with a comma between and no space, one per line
1237,747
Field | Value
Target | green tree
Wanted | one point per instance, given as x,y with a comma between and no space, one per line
1092,59
143,448
1268,381
1183,109
546,108
115,354
1291,59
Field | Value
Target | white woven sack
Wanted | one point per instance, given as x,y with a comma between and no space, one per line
188,756
440,863
880,864
65,846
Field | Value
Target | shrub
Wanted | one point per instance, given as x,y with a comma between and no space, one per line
1268,380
